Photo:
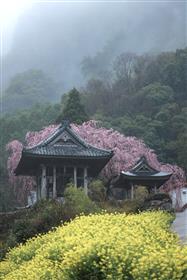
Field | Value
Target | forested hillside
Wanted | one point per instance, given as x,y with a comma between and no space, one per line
138,95
143,96
28,88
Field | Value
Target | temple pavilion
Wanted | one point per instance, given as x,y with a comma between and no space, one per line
62,158
142,174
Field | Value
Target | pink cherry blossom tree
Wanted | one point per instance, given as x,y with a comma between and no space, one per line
21,185
127,151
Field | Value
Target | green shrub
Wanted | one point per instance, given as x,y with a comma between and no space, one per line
77,202
44,215
131,206
97,191
123,206
141,193
158,201
159,196
22,230
3,249
47,214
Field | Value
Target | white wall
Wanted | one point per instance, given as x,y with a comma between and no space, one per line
181,195
32,198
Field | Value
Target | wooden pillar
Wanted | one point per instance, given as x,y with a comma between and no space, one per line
155,189
37,188
54,181
43,183
75,176
85,180
132,191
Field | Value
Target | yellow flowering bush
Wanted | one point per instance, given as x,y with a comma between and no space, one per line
102,246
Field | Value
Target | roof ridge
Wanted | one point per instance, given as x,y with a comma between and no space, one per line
40,144
100,149
60,129
143,160
77,137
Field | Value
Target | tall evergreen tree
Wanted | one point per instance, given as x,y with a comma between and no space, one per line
73,110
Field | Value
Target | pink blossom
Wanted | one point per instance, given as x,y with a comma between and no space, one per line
21,185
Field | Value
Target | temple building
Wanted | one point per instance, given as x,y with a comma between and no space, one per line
62,158
142,174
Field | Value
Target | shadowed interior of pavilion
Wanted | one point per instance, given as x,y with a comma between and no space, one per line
62,158
142,174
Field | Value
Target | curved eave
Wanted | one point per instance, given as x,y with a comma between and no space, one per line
39,155
29,159
155,176
69,151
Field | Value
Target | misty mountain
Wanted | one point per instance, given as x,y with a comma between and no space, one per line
56,37
27,89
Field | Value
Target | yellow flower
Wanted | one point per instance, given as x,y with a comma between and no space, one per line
102,246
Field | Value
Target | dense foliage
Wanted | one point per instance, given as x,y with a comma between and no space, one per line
73,110
27,89
143,96
104,246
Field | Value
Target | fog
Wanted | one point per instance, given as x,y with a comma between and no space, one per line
55,37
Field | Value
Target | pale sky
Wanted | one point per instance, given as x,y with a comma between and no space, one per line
10,11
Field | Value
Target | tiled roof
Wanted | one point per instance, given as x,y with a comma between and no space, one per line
72,146
142,169
135,175
68,151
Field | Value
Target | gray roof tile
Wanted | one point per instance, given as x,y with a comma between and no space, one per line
77,148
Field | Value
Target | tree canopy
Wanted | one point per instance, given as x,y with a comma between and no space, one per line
28,88
145,97
73,110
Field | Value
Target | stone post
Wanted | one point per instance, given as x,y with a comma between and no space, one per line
43,183
155,189
38,188
132,191
85,180
75,176
54,182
